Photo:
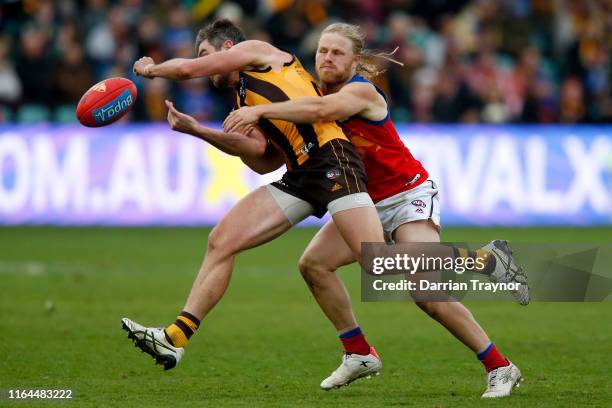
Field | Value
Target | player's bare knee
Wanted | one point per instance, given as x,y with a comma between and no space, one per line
307,266
220,243
313,271
213,240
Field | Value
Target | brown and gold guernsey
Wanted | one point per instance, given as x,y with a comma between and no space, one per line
297,141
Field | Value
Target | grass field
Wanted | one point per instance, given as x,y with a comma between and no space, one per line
267,344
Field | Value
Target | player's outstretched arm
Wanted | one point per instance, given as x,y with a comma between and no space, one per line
353,99
253,149
233,143
241,56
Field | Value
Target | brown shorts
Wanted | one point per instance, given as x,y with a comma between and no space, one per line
333,171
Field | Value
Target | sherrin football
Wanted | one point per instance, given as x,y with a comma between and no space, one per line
106,102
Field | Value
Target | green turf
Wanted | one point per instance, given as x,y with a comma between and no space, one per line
267,344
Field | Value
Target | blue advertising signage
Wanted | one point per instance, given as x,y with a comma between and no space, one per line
148,175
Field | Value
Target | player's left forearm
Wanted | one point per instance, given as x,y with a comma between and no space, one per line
307,109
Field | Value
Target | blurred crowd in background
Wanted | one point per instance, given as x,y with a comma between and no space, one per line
471,61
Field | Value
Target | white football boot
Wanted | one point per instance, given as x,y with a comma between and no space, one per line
353,367
507,270
502,380
153,342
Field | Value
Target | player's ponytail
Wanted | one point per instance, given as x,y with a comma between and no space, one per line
366,67
369,68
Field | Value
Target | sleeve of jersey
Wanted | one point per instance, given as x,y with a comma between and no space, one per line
359,78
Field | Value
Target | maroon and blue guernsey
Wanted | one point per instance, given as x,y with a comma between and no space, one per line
389,165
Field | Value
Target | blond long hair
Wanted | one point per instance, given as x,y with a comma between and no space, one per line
366,66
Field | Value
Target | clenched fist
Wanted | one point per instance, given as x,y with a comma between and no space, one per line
141,67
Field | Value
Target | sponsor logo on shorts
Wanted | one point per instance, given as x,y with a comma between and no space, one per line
418,203
336,187
419,210
332,174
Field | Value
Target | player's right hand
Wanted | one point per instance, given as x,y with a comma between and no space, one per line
181,122
141,67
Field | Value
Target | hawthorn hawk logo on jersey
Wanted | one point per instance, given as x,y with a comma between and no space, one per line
242,88
306,148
